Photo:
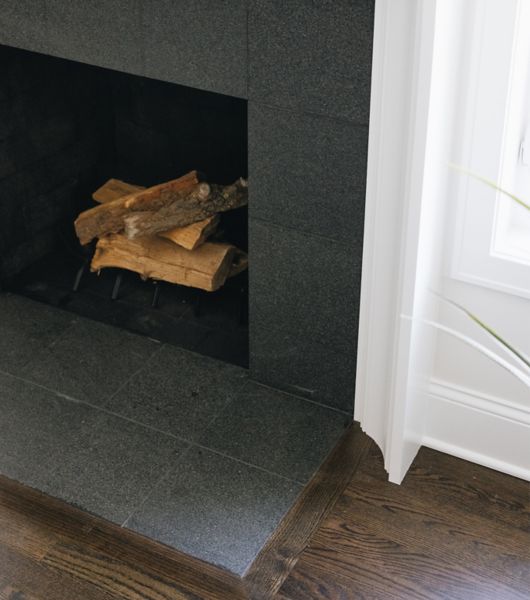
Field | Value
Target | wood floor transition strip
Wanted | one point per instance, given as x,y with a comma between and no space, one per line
274,563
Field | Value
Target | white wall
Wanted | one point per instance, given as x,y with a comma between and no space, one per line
474,408
464,366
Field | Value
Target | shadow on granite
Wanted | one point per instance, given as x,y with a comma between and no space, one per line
177,446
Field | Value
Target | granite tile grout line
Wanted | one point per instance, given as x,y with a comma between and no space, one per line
292,395
53,343
139,370
155,486
163,345
154,429
318,236
303,111
248,464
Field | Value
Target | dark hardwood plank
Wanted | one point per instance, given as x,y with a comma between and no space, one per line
122,579
470,488
33,581
141,566
410,569
421,540
22,534
392,510
310,579
282,550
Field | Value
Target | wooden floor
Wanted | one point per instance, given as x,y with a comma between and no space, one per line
453,530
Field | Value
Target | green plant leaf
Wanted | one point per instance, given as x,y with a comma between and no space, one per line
521,375
489,330
491,184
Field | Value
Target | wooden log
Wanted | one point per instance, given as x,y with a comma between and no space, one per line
114,189
194,235
189,237
109,217
207,200
205,268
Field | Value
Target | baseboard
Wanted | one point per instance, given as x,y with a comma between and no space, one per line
477,427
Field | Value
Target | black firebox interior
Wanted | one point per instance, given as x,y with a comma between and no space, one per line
65,128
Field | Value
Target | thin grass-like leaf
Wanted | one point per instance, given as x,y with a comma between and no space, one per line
491,184
489,330
521,375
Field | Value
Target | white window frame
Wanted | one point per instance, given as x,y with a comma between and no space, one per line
479,255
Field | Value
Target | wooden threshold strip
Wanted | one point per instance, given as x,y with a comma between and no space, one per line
280,554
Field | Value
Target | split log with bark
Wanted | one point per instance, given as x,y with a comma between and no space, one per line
177,203
189,237
206,268
160,232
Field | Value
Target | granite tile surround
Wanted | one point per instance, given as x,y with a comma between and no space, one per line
99,32
292,362
309,192
133,461
21,25
202,43
303,283
305,68
312,55
303,313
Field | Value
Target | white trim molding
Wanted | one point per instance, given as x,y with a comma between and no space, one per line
478,427
389,339
420,64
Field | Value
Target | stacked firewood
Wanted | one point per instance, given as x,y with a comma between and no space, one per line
163,232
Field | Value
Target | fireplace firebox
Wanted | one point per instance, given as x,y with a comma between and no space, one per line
69,128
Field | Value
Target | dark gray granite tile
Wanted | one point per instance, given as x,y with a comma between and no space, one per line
308,172
289,360
99,32
200,44
23,24
305,285
283,434
36,430
313,56
90,362
216,509
26,327
178,392
113,466
96,461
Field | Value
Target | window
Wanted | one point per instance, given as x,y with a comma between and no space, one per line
493,233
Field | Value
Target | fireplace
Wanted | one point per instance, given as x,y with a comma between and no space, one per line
145,92
305,71
70,128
